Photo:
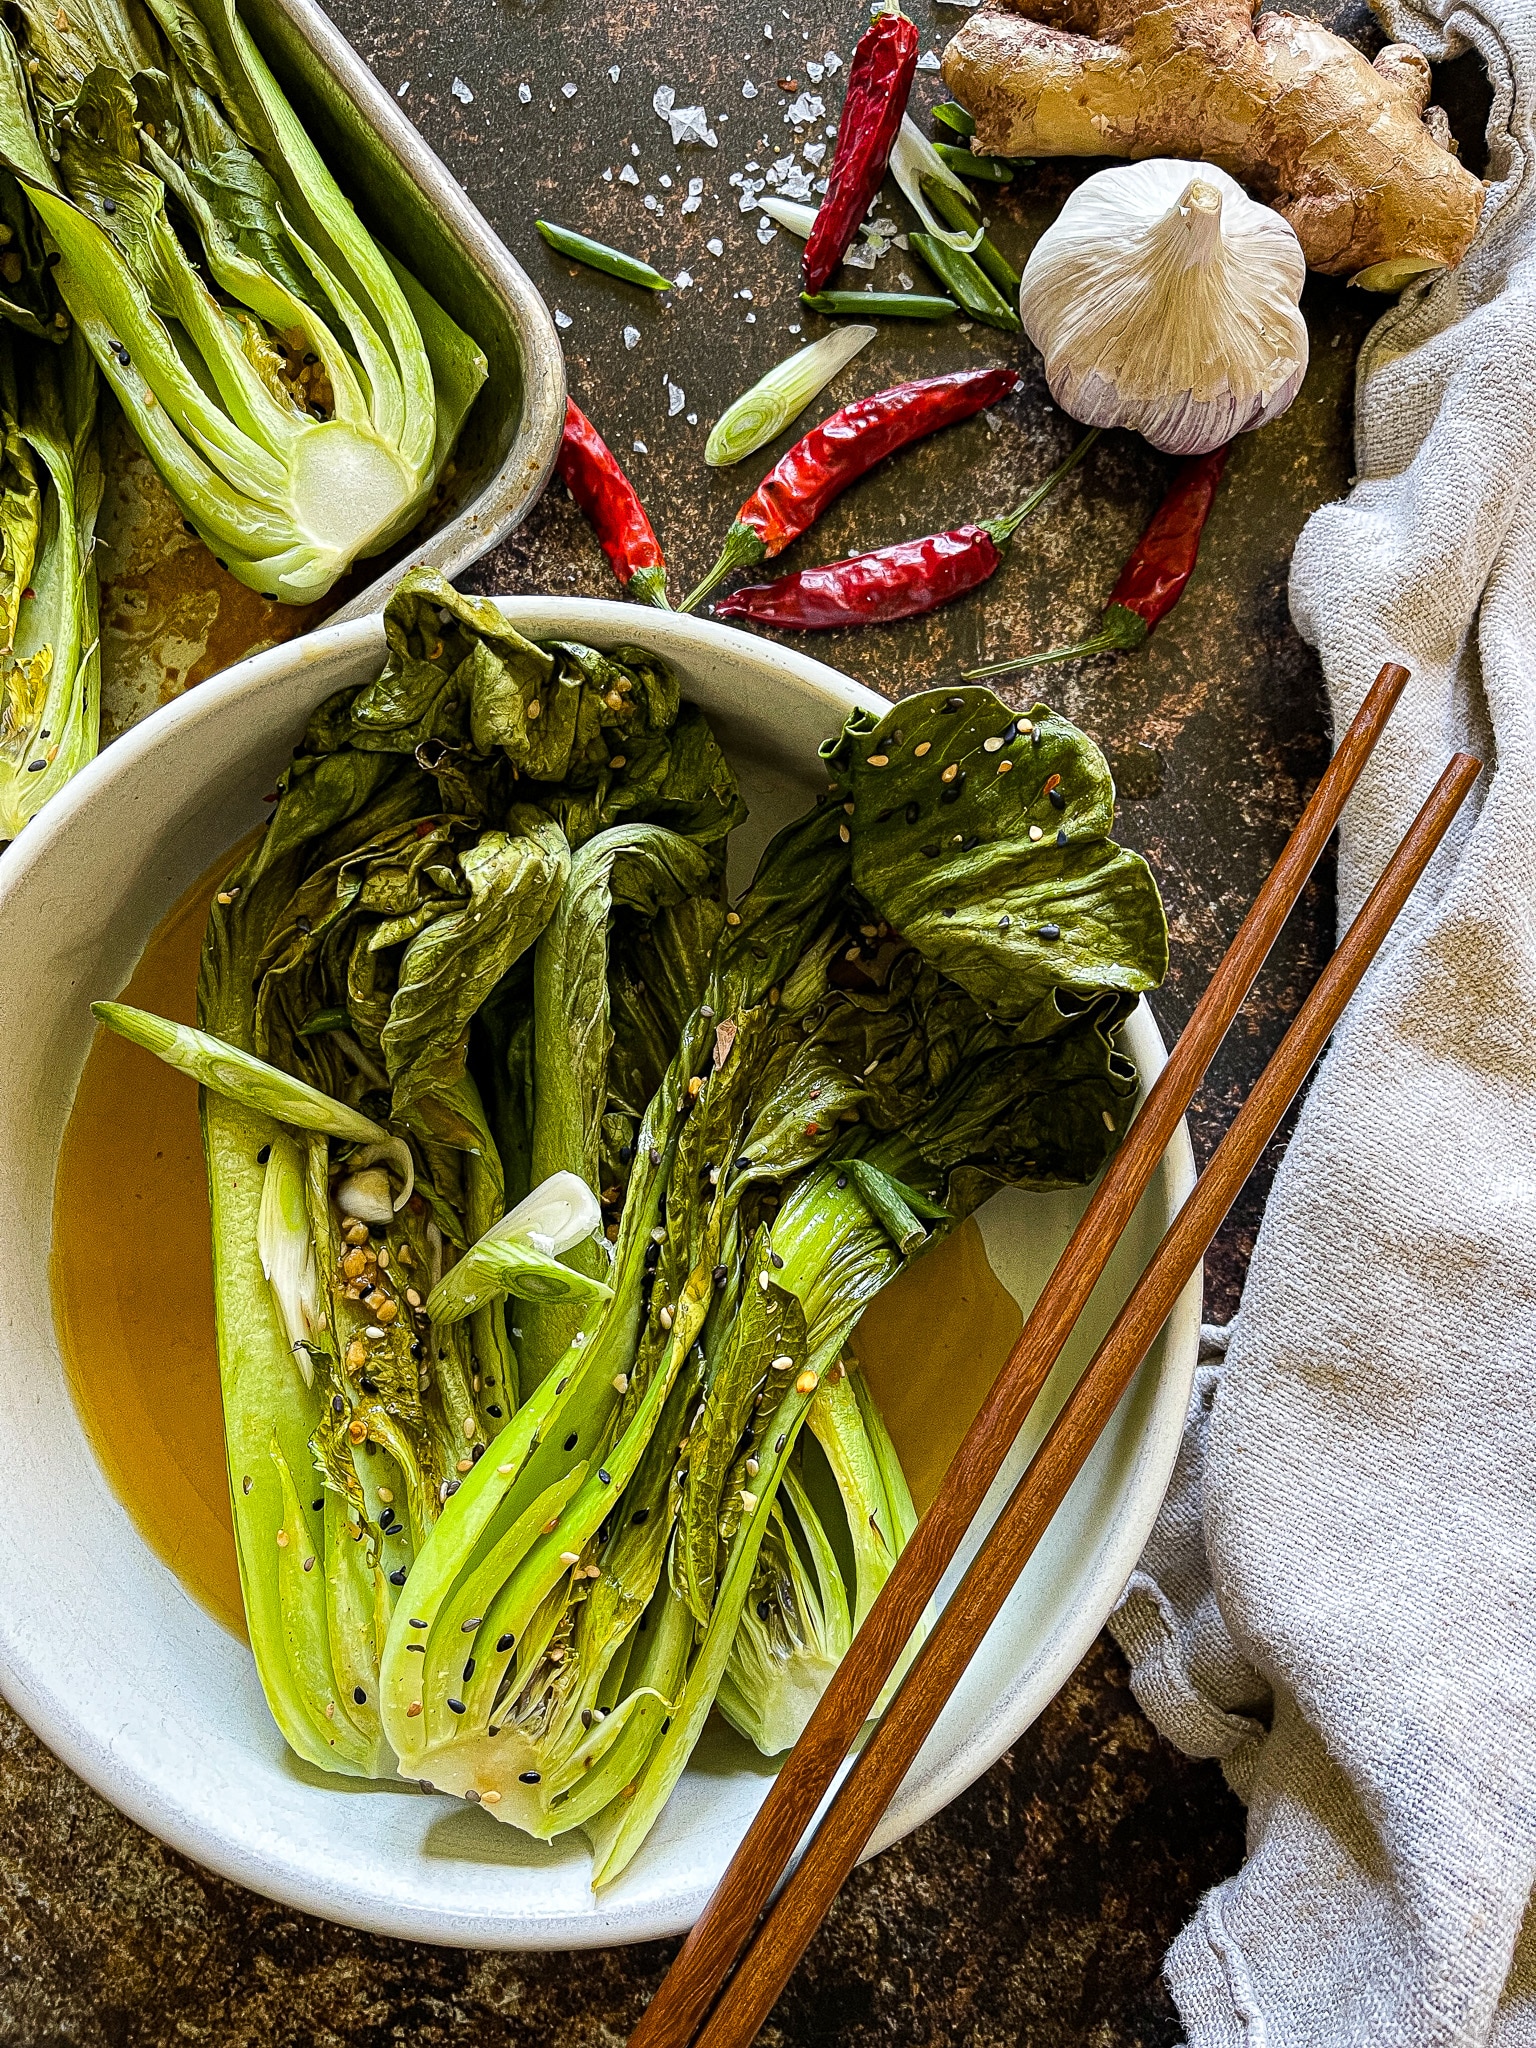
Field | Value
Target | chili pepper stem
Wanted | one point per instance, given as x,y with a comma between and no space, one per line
1002,530
649,586
1121,633
742,550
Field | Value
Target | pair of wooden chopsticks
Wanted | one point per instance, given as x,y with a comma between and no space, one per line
680,2014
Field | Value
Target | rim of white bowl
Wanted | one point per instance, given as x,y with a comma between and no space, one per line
155,1806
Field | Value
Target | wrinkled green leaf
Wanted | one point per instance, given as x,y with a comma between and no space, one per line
952,866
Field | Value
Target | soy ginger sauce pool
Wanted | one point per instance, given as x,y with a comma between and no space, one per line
133,1297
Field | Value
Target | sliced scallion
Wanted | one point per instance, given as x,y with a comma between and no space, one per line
880,305
788,388
598,256
950,114
970,285
967,164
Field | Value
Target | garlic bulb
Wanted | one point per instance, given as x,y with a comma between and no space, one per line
1163,298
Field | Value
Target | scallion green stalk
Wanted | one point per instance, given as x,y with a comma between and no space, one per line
599,256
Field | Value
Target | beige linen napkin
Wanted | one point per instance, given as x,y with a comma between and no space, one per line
1339,1600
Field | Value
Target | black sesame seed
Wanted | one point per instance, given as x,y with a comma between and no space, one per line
367,1384
743,1163
468,1628
605,1477
626,1153
426,1784
640,1515
777,1260
494,1410
526,1777
570,1442
881,817
652,1255
763,1610
952,704
456,1707
413,1622
419,1648
1061,836
563,1384
109,206
469,1667
397,1578
451,1488
912,813
654,1156
36,767
263,1155
477,1454
317,1505
967,844
1050,931
1003,923
504,1643
930,852
779,1442
842,1180
1010,733
1035,737
952,792
359,1695
1058,798
338,1406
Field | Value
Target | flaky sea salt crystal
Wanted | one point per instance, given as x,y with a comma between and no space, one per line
860,255
690,125
629,175
461,92
525,93
569,89
640,448
663,100
809,107
693,419
631,337
929,61
651,203
815,72
813,152
608,175
562,320
402,88
751,319
765,233
747,203
749,90
683,279
677,398
715,246
796,185
613,73
832,61
665,182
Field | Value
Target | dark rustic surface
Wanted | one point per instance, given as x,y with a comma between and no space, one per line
1036,1909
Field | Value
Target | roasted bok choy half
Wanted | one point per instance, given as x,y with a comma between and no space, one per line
549,1182
297,389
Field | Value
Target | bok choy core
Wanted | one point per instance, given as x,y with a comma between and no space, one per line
544,1439
297,389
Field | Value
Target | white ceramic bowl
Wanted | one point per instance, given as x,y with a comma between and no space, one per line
102,1651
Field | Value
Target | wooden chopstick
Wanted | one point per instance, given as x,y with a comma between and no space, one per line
869,1788
711,1949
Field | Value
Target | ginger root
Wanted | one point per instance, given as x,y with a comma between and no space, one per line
1349,152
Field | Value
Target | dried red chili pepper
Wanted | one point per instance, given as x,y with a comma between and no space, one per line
602,490
822,465
1153,579
898,582
879,82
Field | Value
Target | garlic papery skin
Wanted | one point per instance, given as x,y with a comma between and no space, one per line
1164,299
